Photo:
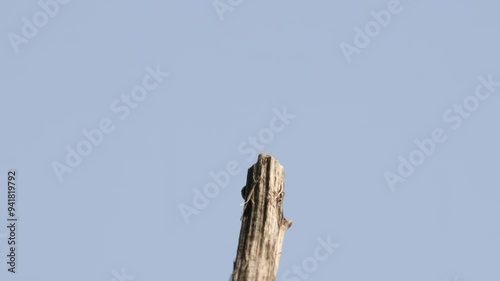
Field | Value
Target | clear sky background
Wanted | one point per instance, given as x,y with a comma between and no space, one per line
116,213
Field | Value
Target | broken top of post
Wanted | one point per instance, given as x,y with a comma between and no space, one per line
263,225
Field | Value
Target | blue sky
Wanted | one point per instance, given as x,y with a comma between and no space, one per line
121,115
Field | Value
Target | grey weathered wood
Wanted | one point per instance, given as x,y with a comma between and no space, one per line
263,225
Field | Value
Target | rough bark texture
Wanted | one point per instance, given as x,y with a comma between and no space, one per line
263,225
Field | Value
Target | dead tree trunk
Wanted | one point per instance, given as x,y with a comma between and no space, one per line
263,225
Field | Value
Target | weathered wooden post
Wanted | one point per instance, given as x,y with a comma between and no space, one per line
263,225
